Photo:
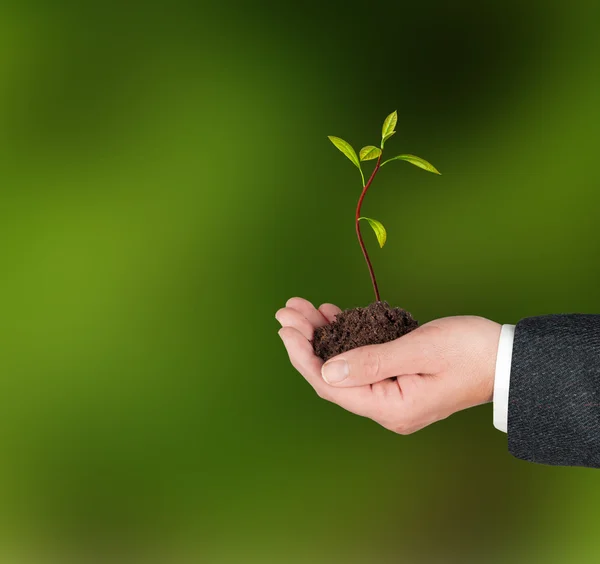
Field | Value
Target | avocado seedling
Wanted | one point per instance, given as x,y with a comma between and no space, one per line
377,323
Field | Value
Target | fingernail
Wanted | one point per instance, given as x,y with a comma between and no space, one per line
335,371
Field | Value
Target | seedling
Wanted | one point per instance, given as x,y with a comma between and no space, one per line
369,153
377,323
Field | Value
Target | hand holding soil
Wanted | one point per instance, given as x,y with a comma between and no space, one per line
406,384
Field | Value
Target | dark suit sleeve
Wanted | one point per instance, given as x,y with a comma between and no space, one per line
554,395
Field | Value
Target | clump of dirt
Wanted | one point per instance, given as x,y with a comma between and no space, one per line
378,323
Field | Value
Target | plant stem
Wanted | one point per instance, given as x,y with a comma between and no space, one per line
358,233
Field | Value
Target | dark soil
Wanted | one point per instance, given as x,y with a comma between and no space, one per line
372,325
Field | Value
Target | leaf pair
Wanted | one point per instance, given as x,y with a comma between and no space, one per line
388,129
369,152
366,153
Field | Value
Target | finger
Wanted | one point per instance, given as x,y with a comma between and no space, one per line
414,353
329,311
314,316
289,317
358,400
302,355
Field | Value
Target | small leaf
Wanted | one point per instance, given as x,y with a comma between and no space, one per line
345,148
369,152
417,161
379,229
389,127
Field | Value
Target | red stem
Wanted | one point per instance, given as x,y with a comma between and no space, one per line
358,233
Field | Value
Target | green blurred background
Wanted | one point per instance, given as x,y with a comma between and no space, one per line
166,185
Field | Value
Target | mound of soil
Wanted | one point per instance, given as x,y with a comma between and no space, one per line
378,323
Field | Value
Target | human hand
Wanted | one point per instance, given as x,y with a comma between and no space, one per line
427,375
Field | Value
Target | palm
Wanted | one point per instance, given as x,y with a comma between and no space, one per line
378,401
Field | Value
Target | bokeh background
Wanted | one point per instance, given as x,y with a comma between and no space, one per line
166,184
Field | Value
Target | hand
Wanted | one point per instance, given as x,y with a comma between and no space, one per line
427,375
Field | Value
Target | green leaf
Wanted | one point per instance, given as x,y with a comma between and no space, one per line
389,127
417,161
379,229
369,152
345,148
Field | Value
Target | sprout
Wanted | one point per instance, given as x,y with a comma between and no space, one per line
370,152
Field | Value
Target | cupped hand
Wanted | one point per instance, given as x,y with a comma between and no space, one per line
427,375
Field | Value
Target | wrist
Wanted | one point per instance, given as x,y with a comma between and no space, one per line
486,343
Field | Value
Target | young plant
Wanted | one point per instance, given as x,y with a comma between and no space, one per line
368,153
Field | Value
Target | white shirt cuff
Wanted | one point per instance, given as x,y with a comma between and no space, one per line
502,378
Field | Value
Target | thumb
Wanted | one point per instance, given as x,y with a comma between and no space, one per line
410,354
